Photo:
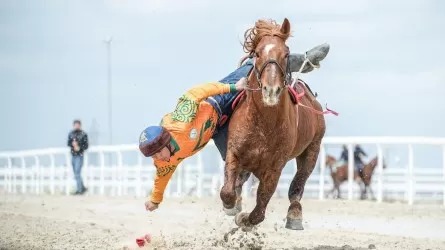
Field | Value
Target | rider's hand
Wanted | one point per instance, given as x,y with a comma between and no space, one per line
150,206
241,84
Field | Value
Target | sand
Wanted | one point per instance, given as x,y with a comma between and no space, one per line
92,222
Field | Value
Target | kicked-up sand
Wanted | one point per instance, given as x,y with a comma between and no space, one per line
92,222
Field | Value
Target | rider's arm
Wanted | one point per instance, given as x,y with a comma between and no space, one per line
203,91
164,172
188,104
70,140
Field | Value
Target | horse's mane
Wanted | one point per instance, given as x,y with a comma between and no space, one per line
262,28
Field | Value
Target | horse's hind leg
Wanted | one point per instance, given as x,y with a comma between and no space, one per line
370,190
362,190
243,176
266,188
305,166
337,187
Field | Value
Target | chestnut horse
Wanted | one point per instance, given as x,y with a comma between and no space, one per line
340,175
267,130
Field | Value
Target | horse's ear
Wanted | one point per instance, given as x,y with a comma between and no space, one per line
285,27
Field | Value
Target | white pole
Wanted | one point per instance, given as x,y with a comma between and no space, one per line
443,165
9,175
109,87
68,175
102,172
350,170
322,170
410,174
24,178
380,174
119,173
37,178
86,171
52,173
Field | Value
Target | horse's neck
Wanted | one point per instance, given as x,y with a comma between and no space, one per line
372,165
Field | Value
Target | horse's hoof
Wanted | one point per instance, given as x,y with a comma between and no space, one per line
246,229
294,224
239,219
232,211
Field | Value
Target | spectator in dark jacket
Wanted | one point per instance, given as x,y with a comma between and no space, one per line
78,142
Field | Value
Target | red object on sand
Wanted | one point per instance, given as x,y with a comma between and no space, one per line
141,240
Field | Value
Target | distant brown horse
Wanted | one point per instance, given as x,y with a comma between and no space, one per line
340,175
267,130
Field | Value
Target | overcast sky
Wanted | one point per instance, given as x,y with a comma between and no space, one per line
384,73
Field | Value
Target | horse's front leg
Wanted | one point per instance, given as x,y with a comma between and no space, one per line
362,190
266,188
228,194
305,165
243,176
337,188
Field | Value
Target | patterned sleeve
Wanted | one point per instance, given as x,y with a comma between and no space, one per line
164,172
188,104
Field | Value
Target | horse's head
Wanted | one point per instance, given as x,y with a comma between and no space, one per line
330,160
375,161
266,41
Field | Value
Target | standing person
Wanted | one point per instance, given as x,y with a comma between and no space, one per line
78,142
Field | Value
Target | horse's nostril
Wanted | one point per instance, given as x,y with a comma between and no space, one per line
277,91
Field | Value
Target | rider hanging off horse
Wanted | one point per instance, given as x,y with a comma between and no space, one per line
358,160
203,113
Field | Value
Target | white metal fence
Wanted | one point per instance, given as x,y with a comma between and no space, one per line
49,171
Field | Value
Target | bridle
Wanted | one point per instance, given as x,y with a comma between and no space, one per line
286,72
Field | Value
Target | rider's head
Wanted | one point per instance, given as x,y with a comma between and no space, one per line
154,142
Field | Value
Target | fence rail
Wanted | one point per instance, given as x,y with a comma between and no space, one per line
407,184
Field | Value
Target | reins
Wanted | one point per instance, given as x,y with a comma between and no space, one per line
288,76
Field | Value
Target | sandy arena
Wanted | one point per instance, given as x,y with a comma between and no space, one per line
89,222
